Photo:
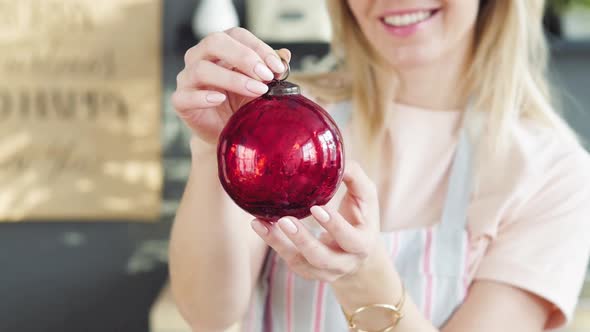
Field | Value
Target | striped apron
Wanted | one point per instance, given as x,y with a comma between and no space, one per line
432,263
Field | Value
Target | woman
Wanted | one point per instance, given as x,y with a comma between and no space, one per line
470,220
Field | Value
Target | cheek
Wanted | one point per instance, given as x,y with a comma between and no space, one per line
360,9
460,17
355,7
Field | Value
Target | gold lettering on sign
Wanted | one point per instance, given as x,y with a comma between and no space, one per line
52,104
56,158
45,16
50,64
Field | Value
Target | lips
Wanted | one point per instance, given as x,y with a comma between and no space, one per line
409,18
407,22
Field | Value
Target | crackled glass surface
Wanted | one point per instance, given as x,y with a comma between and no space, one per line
280,155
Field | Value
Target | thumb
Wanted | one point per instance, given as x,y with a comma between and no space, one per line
358,183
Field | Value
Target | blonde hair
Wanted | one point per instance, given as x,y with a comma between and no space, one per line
507,75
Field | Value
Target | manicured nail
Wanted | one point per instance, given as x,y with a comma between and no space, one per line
259,227
256,87
320,214
215,98
263,72
287,225
275,63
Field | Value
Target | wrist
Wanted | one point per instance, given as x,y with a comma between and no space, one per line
201,151
369,295
377,263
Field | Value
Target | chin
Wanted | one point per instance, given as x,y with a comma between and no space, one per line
408,56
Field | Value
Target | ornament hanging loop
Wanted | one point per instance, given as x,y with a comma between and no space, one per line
287,71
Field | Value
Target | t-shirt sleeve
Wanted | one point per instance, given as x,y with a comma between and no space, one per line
544,246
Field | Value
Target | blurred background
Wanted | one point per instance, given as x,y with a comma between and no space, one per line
93,160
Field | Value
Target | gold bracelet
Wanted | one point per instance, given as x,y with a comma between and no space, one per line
396,314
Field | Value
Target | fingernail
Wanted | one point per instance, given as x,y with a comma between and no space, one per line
275,63
320,214
263,72
259,227
256,87
287,225
215,98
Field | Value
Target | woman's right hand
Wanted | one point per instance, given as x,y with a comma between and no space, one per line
223,72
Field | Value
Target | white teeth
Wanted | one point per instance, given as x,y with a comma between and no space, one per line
407,19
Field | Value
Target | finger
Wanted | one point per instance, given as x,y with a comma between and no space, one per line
207,74
221,47
284,54
358,183
189,99
276,240
264,51
349,238
315,252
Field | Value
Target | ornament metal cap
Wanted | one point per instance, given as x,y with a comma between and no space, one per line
281,87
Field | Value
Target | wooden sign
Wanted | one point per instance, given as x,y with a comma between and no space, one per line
80,102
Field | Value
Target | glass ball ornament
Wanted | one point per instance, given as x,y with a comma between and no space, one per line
280,154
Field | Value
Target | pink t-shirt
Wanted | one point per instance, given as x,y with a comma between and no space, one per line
529,226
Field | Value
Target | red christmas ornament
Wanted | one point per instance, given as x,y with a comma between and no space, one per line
280,154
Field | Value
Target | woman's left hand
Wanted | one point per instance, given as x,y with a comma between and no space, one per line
350,238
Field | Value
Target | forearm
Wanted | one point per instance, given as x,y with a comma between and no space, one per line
211,253
490,306
377,282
